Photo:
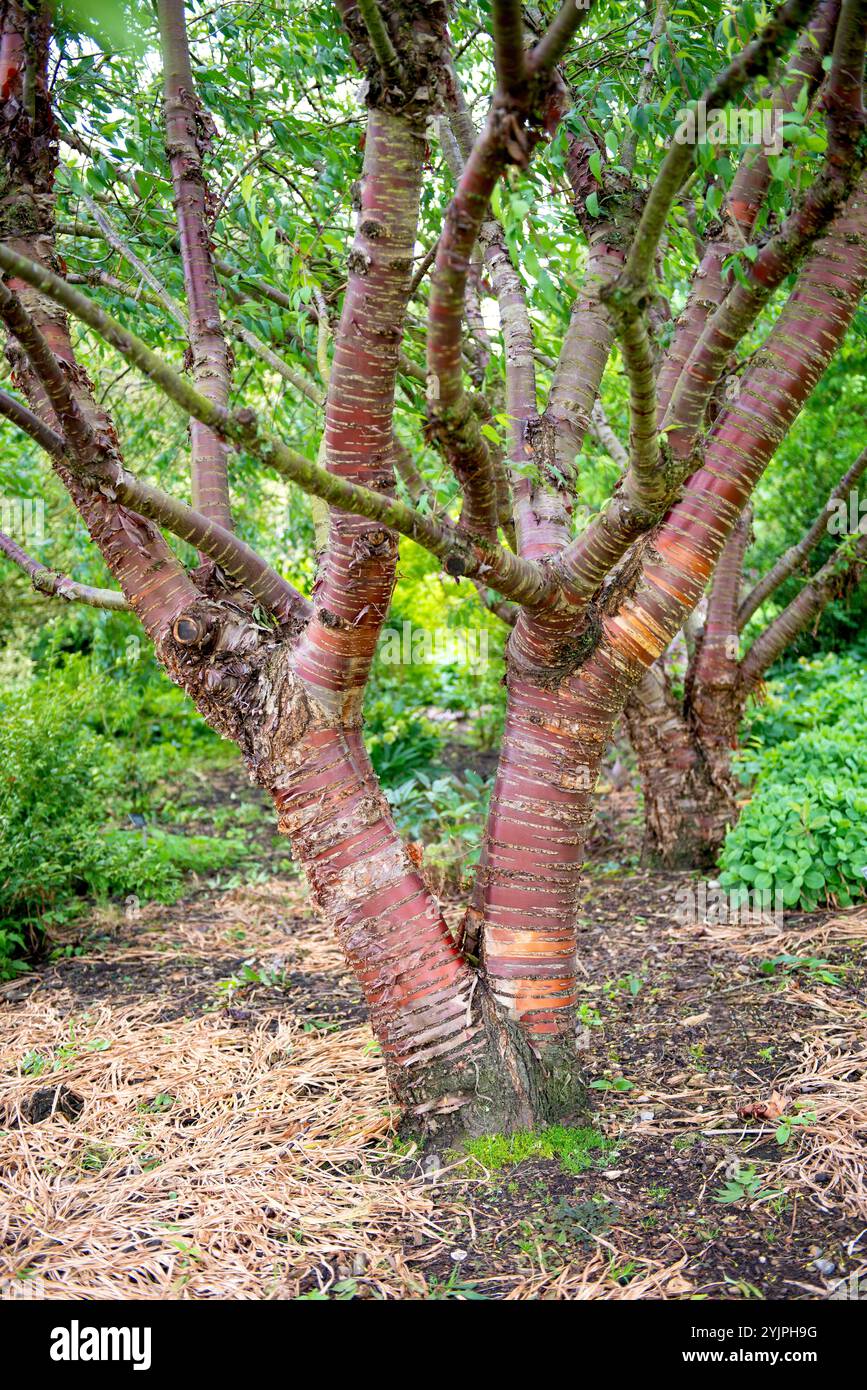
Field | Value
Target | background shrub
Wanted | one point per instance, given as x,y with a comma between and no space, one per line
71,779
804,832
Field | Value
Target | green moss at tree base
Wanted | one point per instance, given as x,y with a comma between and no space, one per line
575,1149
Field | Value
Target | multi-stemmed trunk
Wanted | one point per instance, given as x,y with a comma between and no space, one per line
478,1032
690,797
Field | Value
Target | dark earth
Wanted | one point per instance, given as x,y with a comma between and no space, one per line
680,1027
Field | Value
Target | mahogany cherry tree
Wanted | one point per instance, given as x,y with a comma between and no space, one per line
478,1031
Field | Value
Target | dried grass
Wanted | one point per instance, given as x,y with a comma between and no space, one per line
274,1158
765,938
830,1080
272,1172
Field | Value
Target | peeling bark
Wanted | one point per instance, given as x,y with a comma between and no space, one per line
478,1033
687,810
188,130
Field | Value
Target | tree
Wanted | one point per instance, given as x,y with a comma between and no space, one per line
477,1032
685,745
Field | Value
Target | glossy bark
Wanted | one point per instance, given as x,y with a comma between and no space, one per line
478,1033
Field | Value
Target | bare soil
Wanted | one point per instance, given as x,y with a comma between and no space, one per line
192,1106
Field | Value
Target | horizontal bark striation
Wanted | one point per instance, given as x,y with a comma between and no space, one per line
686,808
476,1034
529,879
416,984
742,205
354,590
187,133
782,374
455,1066
134,550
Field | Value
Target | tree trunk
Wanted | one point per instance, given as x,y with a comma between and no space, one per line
477,1034
689,794
458,1064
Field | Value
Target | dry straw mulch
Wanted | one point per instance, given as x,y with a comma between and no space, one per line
829,1077
182,1141
213,1156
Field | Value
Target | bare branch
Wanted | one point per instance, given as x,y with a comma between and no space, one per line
600,429
743,201
380,41
54,585
186,135
795,556
846,121
508,24
238,560
518,579
307,388
511,132
845,567
117,243
715,658
554,42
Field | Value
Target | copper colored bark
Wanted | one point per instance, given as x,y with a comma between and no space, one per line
477,1033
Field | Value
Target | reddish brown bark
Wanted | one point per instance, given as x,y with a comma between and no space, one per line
134,550
478,1034
187,135
684,747
686,813
742,205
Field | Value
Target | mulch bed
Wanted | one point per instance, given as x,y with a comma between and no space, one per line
193,1107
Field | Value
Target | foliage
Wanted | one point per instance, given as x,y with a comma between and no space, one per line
445,806
69,783
744,1185
399,739
102,730
815,692
804,833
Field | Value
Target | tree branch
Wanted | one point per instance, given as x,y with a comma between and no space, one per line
238,560
49,582
744,199
715,658
117,243
511,132
600,429
186,136
546,54
654,475
380,42
845,566
509,61
847,151
515,578
794,557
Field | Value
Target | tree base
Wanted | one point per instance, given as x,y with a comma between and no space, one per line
505,1086
685,827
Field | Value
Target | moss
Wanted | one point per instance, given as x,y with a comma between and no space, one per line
575,1149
